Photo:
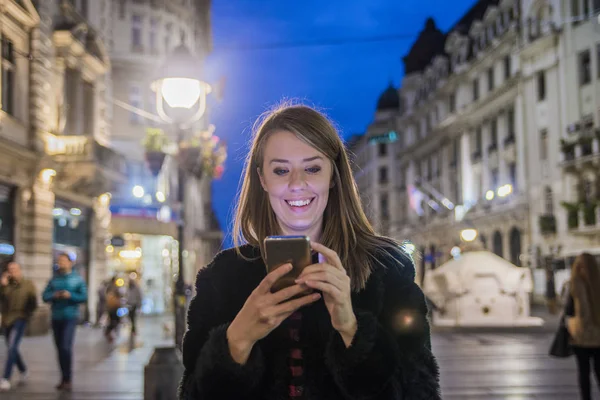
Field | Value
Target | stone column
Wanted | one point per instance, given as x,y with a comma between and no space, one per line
34,231
100,236
520,143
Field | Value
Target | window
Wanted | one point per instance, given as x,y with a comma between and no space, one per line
512,173
544,144
548,201
475,89
89,100
384,206
507,67
122,5
541,86
452,99
8,77
168,29
585,68
383,175
478,140
135,99
586,8
454,158
153,33
490,78
382,149
83,8
429,168
494,133
510,122
494,176
136,32
598,58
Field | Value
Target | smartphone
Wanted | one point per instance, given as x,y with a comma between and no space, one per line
287,249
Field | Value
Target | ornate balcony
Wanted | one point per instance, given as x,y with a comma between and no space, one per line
583,218
84,165
580,153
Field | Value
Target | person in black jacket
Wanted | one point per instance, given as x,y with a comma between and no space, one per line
362,333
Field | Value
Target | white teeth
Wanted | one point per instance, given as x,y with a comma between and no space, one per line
299,203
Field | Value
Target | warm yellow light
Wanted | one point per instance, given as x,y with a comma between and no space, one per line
130,254
181,92
47,174
505,190
110,249
120,282
468,235
489,195
104,199
160,196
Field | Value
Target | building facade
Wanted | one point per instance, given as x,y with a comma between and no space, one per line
56,165
493,129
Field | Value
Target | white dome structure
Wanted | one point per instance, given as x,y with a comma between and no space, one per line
480,289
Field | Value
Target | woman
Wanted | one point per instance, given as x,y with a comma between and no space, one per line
584,326
363,332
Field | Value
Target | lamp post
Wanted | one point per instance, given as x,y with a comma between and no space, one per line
180,101
179,86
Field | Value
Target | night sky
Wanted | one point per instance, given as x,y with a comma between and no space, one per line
259,52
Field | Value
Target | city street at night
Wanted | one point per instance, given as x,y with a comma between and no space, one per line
475,364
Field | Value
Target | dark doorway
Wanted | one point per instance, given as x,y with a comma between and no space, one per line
515,246
498,250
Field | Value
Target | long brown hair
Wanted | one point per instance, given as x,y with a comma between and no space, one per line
346,229
585,281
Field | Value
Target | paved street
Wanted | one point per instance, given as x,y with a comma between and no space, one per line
487,365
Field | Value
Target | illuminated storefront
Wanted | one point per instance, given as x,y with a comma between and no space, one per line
143,248
7,224
72,234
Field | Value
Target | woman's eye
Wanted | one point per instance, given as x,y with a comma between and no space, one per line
313,170
279,171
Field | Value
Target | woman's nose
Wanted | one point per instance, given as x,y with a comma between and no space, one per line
297,180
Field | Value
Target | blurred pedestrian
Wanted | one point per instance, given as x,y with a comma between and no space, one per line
18,301
101,305
551,300
134,300
114,302
584,325
65,291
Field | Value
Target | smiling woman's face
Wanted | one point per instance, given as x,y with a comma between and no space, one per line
297,178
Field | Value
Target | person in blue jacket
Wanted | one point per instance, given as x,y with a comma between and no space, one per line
65,291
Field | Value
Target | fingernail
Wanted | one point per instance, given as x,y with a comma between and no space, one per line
299,281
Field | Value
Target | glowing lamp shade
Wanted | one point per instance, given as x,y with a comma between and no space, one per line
181,92
468,235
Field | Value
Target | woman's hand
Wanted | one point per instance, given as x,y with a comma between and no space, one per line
263,312
329,277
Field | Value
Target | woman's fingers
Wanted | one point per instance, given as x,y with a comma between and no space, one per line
323,276
268,282
293,305
330,255
326,288
285,294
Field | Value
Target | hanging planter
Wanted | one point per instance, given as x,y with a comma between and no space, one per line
154,143
155,161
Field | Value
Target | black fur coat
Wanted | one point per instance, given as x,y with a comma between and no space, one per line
389,358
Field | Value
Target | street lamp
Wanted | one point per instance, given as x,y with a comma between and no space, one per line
179,85
468,235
